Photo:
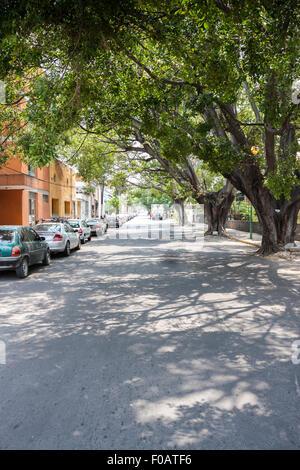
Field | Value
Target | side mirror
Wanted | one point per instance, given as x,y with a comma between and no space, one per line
42,239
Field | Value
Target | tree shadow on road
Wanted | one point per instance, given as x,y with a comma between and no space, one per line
140,346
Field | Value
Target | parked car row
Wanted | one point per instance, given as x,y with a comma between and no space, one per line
22,247
117,220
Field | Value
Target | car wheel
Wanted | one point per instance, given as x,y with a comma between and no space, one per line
67,251
47,258
22,270
83,241
90,237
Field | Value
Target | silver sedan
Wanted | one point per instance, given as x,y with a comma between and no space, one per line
97,226
60,237
81,227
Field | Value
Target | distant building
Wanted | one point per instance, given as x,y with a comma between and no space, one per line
88,199
83,201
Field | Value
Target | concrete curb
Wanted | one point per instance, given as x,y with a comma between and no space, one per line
242,241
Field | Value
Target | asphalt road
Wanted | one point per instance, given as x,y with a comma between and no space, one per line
137,343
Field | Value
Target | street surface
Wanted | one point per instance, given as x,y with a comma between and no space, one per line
138,343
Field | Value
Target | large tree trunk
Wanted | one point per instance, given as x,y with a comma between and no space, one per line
216,209
278,226
179,207
286,223
278,219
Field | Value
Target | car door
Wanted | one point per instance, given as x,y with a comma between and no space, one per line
86,229
37,245
75,237
27,240
72,236
68,235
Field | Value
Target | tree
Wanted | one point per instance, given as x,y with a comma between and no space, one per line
209,57
225,52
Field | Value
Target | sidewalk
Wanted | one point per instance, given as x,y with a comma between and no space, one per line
245,236
256,239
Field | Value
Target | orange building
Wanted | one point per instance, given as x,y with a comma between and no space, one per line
62,190
24,193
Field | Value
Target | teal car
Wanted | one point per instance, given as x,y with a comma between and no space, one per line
21,247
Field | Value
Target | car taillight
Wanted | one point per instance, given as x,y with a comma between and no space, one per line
80,230
57,238
16,251
98,226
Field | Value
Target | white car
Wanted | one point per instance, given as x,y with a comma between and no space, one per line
81,227
60,236
97,226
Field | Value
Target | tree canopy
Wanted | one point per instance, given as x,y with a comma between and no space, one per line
209,81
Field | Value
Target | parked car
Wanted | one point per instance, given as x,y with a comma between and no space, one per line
97,226
60,236
81,227
123,218
21,247
114,221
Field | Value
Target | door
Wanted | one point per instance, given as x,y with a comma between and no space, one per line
32,208
26,239
86,230
72,236
37,246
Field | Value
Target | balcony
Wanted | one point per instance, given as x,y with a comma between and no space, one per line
21,181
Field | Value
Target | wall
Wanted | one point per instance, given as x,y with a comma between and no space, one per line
62,188
11,207
244,226
16,183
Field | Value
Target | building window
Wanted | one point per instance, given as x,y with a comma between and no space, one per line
54,178
45,198
31,170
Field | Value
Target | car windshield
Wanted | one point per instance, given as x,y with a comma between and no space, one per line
92,221
6,236
74,224
47,228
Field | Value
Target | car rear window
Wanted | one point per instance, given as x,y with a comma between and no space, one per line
6,236
74,224
92,221
47,228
